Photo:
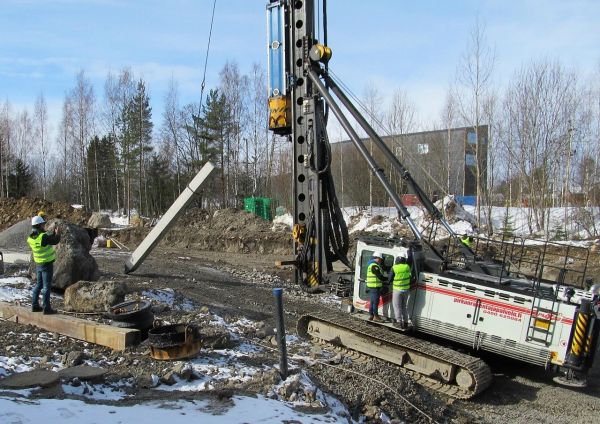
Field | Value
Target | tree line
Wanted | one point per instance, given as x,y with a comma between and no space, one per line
112,151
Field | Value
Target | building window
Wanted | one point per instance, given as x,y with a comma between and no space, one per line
471,139
423,149
470,160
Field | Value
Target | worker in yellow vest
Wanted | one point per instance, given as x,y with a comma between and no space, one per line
399,279
41,243
467,241
375,281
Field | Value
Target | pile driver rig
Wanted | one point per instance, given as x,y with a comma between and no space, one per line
493,296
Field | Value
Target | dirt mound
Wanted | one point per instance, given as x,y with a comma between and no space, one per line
15,237
225,230
13,211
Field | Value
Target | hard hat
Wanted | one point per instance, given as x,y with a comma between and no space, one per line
595,289
37,220
42,214
377,255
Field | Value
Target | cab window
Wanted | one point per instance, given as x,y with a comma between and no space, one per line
365,257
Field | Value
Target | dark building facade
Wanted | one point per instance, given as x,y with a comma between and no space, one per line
442,161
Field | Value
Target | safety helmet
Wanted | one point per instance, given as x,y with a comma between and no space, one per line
595,289
37,220
377,255
42,214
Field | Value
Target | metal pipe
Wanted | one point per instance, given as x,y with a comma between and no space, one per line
283,365
388,153
377,171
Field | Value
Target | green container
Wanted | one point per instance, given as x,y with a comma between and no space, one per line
260,206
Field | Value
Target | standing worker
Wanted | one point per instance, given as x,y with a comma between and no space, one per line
399,279
41,244
467,240
375,281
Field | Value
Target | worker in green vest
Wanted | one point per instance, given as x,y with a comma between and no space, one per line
467,240
375,281
399,279
41,243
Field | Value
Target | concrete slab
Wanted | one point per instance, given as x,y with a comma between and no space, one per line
83,372
25,380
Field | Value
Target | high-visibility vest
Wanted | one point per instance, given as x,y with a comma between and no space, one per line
372,280
466,242
401,277
41,254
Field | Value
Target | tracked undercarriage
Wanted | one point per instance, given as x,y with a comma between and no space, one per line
436,367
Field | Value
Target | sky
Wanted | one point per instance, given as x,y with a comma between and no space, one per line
412,45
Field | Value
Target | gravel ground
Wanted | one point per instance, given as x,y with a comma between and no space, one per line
237,286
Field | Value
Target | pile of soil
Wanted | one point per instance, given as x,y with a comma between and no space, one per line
224,230
13,211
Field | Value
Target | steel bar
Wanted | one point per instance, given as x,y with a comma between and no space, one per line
283,365
363,151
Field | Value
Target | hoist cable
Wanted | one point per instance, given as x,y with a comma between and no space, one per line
212,19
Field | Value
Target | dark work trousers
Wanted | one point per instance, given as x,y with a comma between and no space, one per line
375,295
44,279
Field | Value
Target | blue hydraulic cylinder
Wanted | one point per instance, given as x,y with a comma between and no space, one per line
276,49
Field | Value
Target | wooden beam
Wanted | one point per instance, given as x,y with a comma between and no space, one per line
89,331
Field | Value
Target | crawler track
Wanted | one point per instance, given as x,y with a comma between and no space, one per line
436,367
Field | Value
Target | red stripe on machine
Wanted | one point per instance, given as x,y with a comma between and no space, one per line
484,301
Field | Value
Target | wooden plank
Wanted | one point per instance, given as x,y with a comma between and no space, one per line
89,331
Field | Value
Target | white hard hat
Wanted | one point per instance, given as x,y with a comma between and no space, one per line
377,255
595,289
37,220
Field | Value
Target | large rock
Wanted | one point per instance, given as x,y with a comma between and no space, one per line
94,296
99,220
73,260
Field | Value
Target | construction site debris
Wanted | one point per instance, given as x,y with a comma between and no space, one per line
73,260
83,373
99,220
94,296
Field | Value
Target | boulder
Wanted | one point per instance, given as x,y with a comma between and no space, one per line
73,260
94,296
99,220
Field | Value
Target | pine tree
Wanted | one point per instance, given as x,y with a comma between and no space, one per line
135,126
209,132
101,157
20,180
508,226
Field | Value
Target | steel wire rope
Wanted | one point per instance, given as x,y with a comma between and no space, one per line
203,85
385,129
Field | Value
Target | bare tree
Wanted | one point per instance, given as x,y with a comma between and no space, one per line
172,126
372,100
83,103
474,79
541,100
41,133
